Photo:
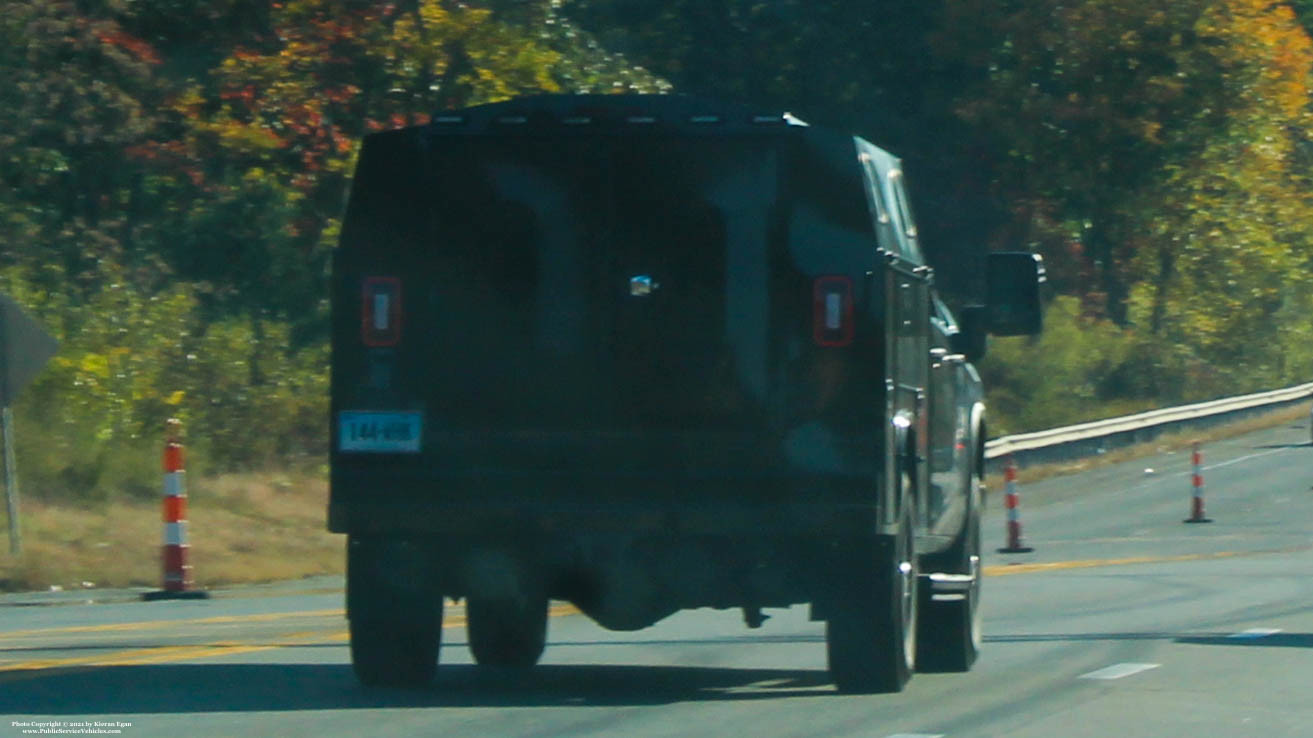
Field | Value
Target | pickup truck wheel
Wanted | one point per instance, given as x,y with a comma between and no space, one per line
949,631
392,652
395,618
870,637
506,632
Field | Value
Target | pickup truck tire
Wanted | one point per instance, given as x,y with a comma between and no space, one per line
392,652
507,632
949,630
870,637
395,617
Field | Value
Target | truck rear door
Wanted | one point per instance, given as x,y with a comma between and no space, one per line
566,285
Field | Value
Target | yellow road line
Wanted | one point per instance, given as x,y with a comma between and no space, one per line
23,670
147,624
1006,569
163,654
556,611
18,670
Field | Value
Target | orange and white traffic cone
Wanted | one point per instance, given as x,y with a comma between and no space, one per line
1197,487
1012,500
177,572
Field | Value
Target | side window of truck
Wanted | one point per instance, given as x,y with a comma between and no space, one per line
874,194
875,164
903,218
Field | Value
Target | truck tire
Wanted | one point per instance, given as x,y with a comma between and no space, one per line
870,637
395,617
507,632
948,628
392,652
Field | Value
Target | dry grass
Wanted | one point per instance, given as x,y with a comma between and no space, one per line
242,529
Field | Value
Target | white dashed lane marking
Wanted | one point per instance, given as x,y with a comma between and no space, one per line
1255,633
916,735
1117,671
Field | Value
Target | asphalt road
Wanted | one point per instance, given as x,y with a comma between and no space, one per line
1123,622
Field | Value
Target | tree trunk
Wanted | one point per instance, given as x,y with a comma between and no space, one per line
256,375
1100,246
1166,270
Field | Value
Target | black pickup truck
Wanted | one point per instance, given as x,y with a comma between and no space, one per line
651,353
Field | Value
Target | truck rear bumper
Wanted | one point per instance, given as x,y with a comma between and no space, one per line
367,502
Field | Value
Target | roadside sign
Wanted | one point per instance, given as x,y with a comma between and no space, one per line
25,347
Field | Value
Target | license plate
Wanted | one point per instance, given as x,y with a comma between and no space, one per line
376,432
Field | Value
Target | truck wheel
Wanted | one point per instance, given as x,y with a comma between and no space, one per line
506,632
949,631
395,617
392,652
870,637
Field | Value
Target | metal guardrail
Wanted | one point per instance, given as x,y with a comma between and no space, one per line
1089,439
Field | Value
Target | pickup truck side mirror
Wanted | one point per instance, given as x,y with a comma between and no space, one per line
1012,292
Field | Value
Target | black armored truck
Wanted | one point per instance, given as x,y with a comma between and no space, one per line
651,353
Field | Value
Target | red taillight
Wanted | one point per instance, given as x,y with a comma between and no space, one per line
832,311
380,313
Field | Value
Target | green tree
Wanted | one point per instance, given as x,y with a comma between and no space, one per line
1226,272
1087,104
268,140
78,93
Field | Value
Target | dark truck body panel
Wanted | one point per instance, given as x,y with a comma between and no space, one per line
533,365
639,353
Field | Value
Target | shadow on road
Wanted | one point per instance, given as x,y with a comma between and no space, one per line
1286,445
1275,640
1075,637
732,640
187,688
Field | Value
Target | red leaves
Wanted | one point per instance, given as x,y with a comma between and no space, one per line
135,46
245,94
278,141
157,151
341,93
